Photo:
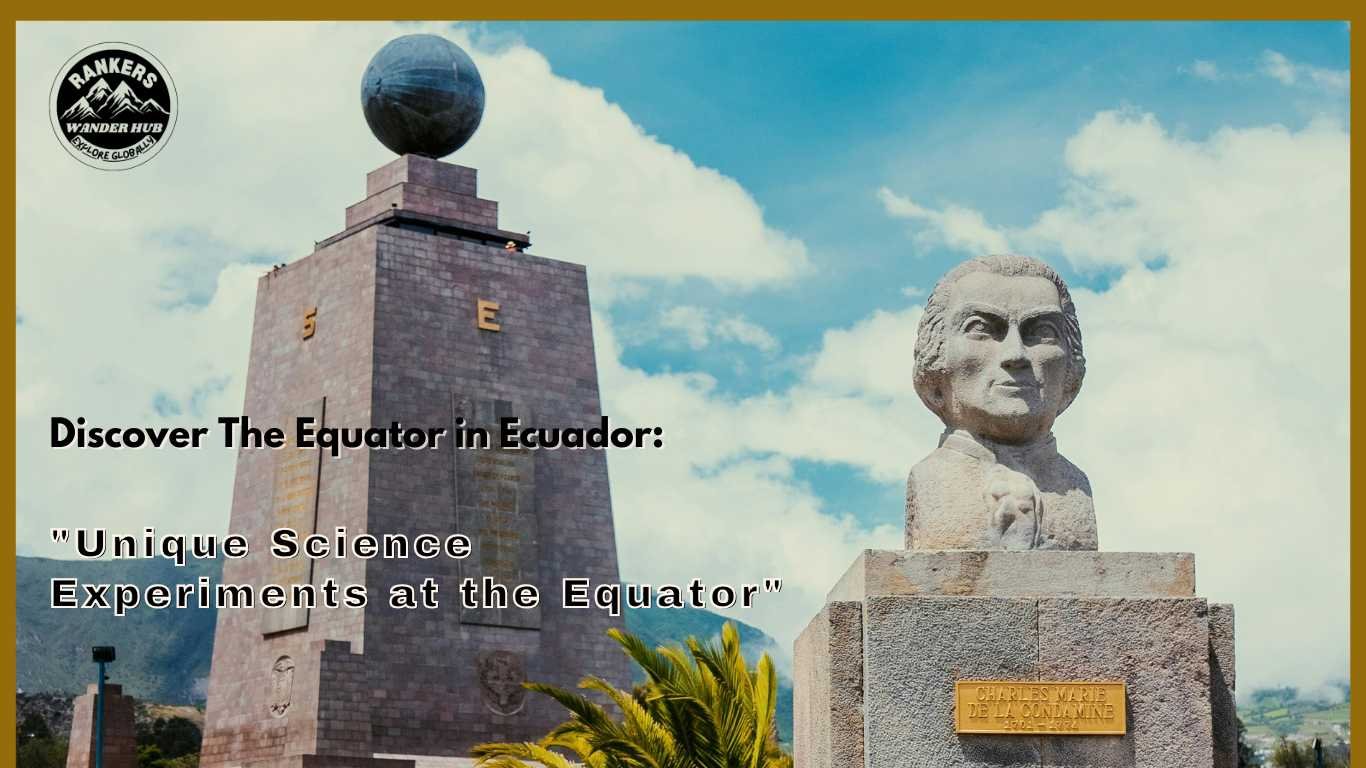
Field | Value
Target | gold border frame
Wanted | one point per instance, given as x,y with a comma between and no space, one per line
540,10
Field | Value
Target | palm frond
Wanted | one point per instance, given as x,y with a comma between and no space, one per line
515,755
701,706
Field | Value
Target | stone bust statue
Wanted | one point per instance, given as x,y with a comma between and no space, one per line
998,358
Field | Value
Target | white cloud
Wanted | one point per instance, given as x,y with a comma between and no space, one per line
135,286
701,327
596,189
1331,79
1205,70
954,226
722,493
873,359
692,321
741,331
1276,66
1214,415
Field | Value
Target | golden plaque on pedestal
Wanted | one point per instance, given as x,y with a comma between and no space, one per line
1039,707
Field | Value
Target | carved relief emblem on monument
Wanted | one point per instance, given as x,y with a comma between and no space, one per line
281,685
501,674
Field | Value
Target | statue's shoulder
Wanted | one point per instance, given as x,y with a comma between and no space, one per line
943,459
1071,473
944,502
943,472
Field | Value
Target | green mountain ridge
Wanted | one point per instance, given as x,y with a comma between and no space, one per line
163,655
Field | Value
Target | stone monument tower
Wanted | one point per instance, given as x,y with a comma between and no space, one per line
1000,636
120,729
421,311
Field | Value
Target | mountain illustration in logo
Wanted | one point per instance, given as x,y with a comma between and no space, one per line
100,102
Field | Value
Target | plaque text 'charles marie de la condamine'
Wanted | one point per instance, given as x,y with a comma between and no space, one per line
1012,706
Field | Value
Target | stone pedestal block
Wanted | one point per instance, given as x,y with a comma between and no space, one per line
1017,574
120,735
1160,648
915,648
875,670
1222,685
828,693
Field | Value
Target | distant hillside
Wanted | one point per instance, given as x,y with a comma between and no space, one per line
163,655
55,709
1271,713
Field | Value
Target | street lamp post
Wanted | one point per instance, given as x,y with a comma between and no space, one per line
102,654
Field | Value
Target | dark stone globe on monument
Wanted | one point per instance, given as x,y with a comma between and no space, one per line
422,95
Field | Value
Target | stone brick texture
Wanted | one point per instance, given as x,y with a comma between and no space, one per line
120,734
1036,573
1223,684
416,184
396,337
1160,648
828,698
914,650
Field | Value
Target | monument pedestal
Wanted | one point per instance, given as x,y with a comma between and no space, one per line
120,732
875,671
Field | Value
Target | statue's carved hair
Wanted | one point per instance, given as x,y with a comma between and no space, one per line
929,341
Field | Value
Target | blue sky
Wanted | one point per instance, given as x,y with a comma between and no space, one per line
812,118
761,207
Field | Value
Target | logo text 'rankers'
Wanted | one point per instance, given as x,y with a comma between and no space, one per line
113,105
113,65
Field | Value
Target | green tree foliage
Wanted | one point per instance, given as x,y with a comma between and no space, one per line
700,707
168,742
174,736
37,746
42,753
149,755
33,727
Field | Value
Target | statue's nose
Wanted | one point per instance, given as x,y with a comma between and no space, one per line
1013,350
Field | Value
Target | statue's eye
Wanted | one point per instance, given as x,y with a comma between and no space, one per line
1044,331
977,327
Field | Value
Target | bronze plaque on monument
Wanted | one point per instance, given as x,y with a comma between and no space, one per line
495,505
294,504
1037,707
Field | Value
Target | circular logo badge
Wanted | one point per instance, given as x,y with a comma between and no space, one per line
113,106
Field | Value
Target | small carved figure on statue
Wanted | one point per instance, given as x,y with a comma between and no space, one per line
998,358
1014,502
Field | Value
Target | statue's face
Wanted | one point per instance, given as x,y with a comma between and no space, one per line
1005,356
